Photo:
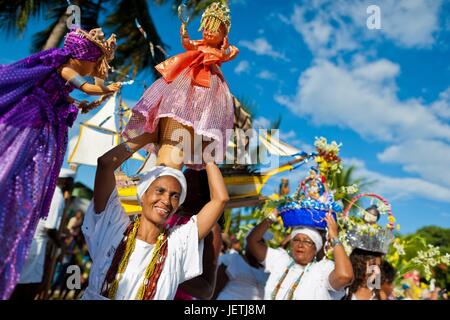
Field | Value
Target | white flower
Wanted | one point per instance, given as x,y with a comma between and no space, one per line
399,248
320,143
352,189
383,208
446,259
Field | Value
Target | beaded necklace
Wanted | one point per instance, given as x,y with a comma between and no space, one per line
294,285
121,258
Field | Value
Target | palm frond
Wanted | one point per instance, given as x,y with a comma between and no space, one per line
14,15
134,50
89,17
196,6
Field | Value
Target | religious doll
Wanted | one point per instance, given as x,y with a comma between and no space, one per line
191,98
36,112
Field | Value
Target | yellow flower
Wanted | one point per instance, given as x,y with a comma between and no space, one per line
391,219
274,196
398,227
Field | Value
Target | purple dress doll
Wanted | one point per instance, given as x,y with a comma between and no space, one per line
35,114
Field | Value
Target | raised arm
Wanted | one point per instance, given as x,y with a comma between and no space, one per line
255,243
342,275
229,52
70,74
105,181
211,212
186,41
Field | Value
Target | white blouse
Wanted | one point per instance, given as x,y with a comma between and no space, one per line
245,282
103,233
314,284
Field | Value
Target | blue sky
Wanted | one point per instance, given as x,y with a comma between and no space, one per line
385,94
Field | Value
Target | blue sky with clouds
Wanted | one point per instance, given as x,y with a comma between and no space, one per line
385,94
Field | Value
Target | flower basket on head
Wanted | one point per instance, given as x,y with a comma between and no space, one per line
364,232
310,203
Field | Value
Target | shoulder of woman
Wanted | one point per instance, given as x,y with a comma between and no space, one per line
325,265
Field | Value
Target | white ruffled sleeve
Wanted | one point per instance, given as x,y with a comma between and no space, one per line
189,249
103,229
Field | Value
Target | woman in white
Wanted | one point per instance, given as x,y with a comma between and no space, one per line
240,277
299,275
141,259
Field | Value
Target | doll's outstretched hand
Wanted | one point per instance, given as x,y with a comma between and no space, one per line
183,31
225,44
114,87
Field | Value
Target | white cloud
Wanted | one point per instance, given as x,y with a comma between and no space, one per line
288,135
322,38
329,27
426,158
262,48
266,75
441,108
243,66
389,187
399,187
362,98
291,138
411,23
261,122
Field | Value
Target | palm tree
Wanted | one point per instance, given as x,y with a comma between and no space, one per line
346,178
133,51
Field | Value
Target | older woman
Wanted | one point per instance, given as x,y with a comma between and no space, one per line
299,275
142,259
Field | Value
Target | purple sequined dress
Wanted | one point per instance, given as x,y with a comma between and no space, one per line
34,120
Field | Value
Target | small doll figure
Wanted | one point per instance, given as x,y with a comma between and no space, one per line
314,191
284,187
313,186
192,95
36,112
371,215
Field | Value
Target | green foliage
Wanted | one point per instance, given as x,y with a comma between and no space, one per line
424,251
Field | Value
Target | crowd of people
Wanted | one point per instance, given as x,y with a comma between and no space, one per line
203,263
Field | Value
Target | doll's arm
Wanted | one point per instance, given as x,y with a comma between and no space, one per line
186,41
230,53
78,81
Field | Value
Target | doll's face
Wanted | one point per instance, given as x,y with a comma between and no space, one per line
214,38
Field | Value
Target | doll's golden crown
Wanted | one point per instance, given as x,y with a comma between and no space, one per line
216,14
108,46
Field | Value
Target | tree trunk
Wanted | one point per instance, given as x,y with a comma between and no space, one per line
57,34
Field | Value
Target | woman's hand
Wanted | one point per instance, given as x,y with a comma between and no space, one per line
332,226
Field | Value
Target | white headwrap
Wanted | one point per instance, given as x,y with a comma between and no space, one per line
160,171
313,234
